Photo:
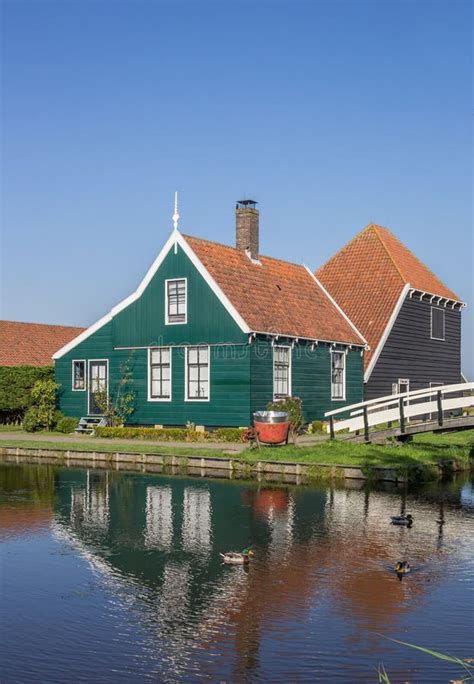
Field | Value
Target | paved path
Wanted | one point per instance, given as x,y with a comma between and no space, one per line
305,440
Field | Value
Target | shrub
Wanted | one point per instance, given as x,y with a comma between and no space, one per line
162,434
184,434
31,422
67,424
294,407
316,426
16,383
57,416
230,434
43,395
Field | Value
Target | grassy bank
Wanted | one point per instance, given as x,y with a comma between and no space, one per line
424,450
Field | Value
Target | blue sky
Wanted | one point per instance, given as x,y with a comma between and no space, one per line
331,114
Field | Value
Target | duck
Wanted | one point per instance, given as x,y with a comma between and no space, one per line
402,567
402,520
233,558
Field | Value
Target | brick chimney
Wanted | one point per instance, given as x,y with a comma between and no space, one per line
246,227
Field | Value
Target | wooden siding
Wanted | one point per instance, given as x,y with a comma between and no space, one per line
142,323
241,375
311,377
409,351
230,389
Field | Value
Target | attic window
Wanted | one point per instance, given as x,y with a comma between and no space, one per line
437,324
176,301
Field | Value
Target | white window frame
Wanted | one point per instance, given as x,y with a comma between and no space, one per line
174,280
290,370
186,371
343,354
75,389
150,398
442,339
404,381
106,361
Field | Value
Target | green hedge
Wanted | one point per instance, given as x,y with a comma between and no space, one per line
16,383
230,434
169,434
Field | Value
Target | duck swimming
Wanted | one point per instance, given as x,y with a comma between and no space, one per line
233,558
402,567
402,520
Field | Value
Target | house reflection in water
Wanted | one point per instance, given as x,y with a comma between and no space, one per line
196,520
159,518
90,504
313,547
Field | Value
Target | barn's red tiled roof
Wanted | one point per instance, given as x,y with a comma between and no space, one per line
367,276
32,344
274,296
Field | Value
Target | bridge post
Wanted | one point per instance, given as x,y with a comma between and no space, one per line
366,424
439,399
402,415
331,427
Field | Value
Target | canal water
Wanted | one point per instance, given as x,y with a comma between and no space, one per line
116,577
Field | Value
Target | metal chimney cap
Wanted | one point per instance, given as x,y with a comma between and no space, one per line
246,203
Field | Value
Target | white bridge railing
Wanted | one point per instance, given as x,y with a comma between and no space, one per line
402,407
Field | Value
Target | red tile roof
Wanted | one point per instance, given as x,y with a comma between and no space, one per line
32,344
274,296
367,276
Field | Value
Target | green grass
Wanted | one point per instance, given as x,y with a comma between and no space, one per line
19,428
424,450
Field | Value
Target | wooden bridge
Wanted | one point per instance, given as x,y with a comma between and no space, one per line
433,409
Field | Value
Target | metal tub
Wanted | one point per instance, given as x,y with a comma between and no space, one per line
272,427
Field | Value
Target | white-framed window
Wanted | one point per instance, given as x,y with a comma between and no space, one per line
78,375
437,323
159,374
176,301
338,375
197,374
403,385
281,372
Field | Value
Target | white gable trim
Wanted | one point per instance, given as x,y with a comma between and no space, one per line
174,239
386,332
225,301
333,301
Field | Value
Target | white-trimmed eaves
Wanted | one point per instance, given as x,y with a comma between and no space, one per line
187,249
174,239
333,301
461,303
387,331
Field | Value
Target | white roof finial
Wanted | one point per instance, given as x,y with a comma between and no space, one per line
175,215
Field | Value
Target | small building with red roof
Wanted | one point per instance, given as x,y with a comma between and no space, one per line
32,344
409,317
215,332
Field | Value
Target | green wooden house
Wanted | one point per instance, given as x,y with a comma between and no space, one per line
213,333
